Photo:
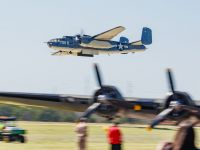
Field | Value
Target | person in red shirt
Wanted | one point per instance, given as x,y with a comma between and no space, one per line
115,137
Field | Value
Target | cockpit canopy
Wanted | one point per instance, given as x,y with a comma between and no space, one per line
54,40
64,38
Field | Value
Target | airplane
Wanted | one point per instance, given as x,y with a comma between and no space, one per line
108,102
88,46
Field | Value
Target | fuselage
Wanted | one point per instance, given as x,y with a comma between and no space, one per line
71,45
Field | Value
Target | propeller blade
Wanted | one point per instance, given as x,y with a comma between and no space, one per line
161,117
98,75
82,32
171,81
91,109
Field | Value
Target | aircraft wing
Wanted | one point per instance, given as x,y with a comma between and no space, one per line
57,101
108,35
134,107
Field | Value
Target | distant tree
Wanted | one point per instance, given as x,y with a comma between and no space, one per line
49,115
6,110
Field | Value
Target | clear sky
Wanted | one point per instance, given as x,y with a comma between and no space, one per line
27,66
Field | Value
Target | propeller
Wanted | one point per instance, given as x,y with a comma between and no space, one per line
166,112
171,81
80,35
82,32
98,75
92,108
105,95
160,117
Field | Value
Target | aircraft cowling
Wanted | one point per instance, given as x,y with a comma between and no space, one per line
100,92
108,91
183,99
102,96
124,40
86,39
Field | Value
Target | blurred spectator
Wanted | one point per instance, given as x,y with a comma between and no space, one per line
81,130
165,146
184,139
115,137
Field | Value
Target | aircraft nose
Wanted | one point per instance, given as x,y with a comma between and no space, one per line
49,44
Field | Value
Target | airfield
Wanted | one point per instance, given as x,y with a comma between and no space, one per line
61,136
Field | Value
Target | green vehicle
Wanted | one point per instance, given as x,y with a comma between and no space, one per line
9,132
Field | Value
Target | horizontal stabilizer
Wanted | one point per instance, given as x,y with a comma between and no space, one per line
136,43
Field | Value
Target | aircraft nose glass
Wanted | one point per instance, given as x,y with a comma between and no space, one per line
50,43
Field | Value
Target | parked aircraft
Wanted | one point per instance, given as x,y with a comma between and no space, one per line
108,102
88,46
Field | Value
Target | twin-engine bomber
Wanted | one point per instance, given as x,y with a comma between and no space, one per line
88,46
108,102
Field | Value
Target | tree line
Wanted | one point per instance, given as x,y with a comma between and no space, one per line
23,113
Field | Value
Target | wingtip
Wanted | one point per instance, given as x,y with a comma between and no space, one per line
121,27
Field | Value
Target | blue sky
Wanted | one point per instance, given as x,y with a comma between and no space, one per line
27,66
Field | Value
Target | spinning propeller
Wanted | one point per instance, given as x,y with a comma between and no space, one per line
107,98
98,75
170,108
80,36
165,113
95,105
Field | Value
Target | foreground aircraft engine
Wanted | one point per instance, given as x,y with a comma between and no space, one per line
173,100
105,100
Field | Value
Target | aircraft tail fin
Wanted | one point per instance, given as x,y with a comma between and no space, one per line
146,38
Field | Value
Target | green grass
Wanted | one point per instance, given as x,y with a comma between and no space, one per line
61,136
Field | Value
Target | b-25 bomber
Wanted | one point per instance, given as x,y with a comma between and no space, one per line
88,46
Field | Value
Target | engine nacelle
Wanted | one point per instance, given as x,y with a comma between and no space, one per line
124,40
103,95
86,39
178,98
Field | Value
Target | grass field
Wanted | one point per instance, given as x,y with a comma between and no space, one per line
61,136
